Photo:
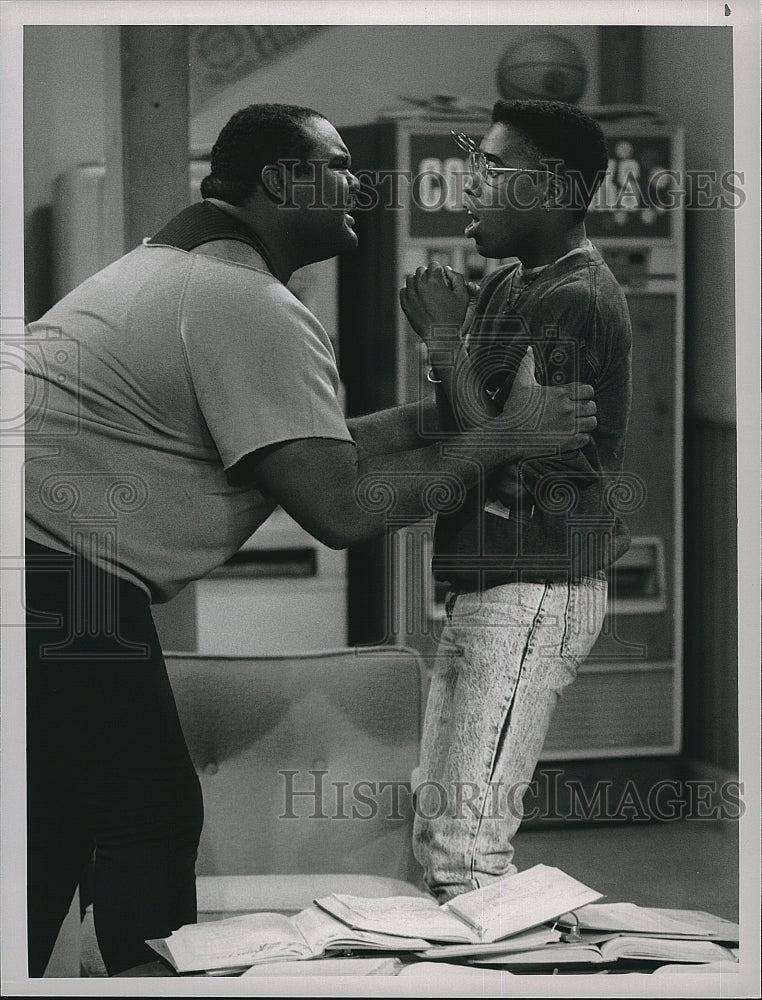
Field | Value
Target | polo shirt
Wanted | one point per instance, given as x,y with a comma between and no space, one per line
147,384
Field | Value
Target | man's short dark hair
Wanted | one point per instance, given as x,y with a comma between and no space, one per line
255,136
557,131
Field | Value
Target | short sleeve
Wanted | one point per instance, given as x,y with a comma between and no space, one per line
262,367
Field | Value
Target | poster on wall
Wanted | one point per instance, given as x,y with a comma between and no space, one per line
220,54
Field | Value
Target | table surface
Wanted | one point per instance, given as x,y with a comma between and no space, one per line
159,969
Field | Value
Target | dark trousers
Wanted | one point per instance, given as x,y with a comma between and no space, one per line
109,776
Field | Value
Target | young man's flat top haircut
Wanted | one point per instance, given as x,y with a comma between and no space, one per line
557,131
255,136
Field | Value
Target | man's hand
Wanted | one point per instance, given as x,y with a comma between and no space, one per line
320,481
438,302
565,414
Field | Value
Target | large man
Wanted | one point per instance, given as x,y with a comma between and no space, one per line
526,554
205,395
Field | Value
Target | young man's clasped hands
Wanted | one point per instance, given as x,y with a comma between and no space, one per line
441,306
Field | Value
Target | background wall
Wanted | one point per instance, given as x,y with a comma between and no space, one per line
703,56
347,73
350,73
63,104
63,126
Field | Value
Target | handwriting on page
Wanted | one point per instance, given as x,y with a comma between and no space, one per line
396,906
653,920
519,901
406,916
321,931
234,939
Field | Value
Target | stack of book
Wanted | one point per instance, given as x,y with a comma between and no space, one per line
619,934
539,918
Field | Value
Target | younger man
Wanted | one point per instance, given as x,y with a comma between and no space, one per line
525,556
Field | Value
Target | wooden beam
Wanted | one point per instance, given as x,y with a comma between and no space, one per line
112,226
147,137
147,131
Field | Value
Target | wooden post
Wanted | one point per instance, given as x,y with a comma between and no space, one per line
112,230
147,137
147,131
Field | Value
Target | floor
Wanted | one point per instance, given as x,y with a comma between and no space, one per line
687,864
691,864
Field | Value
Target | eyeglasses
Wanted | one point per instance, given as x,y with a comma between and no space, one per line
479,165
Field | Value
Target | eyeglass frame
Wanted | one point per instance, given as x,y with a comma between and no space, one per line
485,168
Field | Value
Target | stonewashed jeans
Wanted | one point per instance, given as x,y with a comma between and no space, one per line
504,658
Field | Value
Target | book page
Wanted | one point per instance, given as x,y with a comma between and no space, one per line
649,920
321,930
549,955
525,941
236,941
406,916
383,966
716,928
662,949
445,979
517,902
159,945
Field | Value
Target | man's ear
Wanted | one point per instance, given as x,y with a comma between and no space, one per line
557,191
273,182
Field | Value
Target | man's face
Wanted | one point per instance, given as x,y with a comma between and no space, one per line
506,208
323,194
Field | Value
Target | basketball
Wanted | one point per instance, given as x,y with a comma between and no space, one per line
547,67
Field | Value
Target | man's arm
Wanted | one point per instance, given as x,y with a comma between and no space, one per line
436,300
335,490
400,428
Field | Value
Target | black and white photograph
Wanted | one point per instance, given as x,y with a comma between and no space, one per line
379,509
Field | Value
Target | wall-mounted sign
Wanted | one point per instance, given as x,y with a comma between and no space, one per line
220,54
638,192
439,171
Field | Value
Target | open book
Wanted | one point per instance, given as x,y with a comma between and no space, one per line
240,942
622,947
507,906
536,937
632,919
384,965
